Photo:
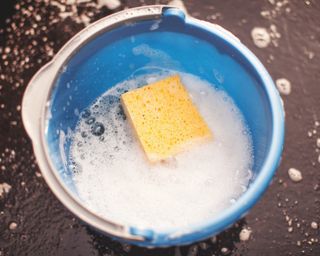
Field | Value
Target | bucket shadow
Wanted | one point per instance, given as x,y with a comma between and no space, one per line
221,244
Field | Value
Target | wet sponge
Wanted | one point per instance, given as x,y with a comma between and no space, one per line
164,118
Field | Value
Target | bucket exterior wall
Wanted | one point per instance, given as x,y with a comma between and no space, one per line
197,47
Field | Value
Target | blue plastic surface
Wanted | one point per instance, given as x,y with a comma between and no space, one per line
188,46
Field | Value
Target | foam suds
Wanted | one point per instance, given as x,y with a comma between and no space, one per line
261,37
114,178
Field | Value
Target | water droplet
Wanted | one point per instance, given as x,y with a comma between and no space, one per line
97,129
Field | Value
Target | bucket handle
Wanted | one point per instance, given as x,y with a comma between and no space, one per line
33,100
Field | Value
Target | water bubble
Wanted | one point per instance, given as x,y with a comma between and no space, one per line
314,225
203,246
224,251
295,175
245,234
249,174
243,188
283,86
13,225
170,162
101,138
76,111
121,113
80,144
126,247
204,93
110,99
174,178
72,167
90,120
232,200
261,37
209,182
84,134
97,129
86,114
244,132
193,250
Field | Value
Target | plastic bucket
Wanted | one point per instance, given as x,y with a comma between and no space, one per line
103,54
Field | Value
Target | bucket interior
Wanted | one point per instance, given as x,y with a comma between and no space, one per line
169,43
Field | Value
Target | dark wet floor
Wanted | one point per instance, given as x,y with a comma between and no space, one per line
284,222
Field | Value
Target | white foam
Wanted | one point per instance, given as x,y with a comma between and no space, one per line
283,86
115,180
261,37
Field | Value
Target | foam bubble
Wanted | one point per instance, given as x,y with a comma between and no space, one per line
261,37
114,178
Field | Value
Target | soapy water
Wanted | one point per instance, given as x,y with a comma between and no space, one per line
114,178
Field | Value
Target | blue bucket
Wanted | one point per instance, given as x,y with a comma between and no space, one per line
102,55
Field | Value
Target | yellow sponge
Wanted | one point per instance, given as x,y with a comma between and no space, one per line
164,118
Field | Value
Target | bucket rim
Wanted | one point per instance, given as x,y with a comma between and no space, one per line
175,235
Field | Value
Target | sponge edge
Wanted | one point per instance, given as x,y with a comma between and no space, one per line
164,118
